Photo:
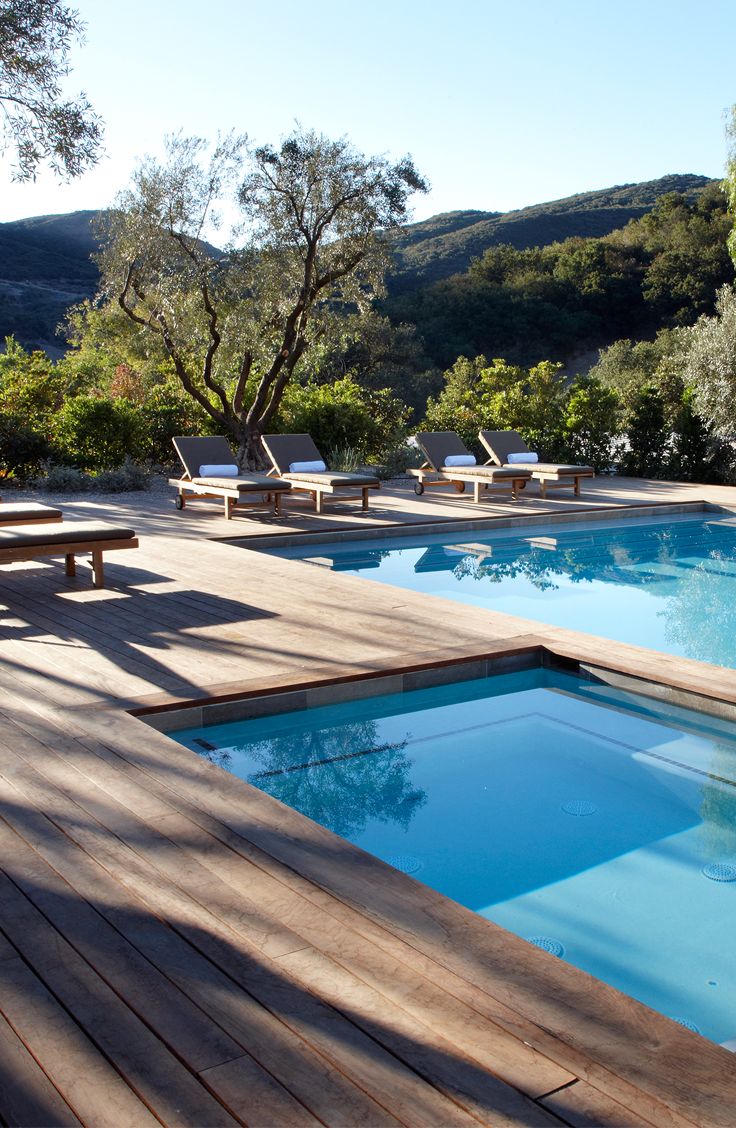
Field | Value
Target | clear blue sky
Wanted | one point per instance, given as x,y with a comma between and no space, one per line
500,104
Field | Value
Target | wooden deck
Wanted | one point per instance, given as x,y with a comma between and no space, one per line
179,948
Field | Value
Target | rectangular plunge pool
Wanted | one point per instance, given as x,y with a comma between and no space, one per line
596,824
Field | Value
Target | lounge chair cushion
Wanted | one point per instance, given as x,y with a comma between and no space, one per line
246,483
556,468
487,472
27,511
219,470
67,532
334,478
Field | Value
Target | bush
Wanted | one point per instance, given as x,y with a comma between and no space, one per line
124,479
63,479
648,437
344,417
591,423
98,434
22,450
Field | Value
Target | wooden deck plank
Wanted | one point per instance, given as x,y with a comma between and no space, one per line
27,1097
582,1106
142,1061
84,1077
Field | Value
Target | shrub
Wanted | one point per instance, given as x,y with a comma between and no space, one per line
63,479
344,416
648,437
22,450
98,434
591,423
124,479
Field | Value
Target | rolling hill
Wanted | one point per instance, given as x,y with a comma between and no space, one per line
45,263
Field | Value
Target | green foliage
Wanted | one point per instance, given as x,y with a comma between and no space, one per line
498,397
36,37
124,479
563,298
97,434
63,479
729,184
31,389
710,366
628,367
344,417
22,450
648,437
591,423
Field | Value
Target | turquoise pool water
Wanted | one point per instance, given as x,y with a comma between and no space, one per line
586,820
669,585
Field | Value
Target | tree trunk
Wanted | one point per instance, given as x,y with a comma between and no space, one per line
251,452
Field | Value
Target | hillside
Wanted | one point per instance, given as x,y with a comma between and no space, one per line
445,244
45,263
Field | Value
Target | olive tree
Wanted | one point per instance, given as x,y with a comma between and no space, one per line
37,121
710,367
235,324
729,184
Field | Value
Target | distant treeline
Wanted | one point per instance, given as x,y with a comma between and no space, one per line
562,300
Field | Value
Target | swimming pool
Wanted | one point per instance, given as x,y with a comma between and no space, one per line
594,823
669,585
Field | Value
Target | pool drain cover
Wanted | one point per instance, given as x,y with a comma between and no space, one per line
720,871
579,807
547,944
404,862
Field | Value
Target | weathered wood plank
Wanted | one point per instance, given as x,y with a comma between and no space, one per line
142,1061
27,1097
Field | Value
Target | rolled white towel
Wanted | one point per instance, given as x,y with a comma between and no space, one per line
213,470
521,457
460,460
316,467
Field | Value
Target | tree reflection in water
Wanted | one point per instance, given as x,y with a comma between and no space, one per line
700,617
340,777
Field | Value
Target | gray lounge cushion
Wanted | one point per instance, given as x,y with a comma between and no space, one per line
246,483
11,511
490,473
437,446
333,478
67,532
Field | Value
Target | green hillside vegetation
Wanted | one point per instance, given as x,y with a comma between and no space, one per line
446,244
560,300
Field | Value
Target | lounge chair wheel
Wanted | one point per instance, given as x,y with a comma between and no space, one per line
418,489
522,485
459,486
179,501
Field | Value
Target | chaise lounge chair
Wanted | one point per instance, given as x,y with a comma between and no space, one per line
211,471
508,448
18,543
27,513
296,459
441,448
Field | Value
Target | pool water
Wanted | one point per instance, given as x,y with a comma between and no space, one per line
591,822
669,585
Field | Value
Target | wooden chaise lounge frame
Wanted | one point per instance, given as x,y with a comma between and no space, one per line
558,475
19,543
214,450
440,445
283,450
